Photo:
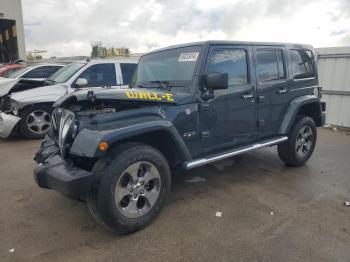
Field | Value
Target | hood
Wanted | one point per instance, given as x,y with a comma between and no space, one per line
128,94
6,84
41,94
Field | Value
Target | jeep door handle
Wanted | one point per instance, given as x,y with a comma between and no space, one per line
282,91
247,96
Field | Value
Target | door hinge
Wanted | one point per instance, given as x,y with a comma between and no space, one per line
204,106
205,134
261,99
261,123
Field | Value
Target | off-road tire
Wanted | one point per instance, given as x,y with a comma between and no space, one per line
287,150
24,128
107,170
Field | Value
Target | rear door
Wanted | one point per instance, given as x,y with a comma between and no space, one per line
272,87
229,119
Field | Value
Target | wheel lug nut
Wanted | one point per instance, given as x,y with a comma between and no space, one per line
135,182
131,189
142,192
142,183
135,196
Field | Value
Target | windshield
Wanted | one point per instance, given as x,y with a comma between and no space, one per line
16,73
66,72
170,67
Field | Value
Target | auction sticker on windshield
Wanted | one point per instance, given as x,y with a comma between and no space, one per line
188,57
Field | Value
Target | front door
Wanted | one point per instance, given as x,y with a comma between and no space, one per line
230,117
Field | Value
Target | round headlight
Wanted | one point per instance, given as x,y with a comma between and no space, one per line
66,126
316,93
75,130
15,111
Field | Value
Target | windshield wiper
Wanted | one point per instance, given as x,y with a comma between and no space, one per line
50,82
164,84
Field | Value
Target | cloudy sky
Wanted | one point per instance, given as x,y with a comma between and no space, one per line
67,27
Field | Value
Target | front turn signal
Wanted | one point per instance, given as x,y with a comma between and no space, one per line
103,146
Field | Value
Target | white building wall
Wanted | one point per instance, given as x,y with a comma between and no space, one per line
12,9
334,78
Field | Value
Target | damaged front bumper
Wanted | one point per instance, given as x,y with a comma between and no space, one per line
7,124
53,172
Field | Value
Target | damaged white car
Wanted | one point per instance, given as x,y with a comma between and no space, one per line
30,111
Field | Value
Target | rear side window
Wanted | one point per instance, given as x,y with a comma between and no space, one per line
231,61
127,72
100,75
301,64
42,72
270,65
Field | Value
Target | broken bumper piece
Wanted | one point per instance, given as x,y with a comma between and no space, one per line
55,173
7,124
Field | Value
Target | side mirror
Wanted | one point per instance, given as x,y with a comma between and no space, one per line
216,81
81,82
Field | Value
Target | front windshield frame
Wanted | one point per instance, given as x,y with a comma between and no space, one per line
65,73
149,83
18,72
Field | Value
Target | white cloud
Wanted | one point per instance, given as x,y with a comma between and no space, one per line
67,27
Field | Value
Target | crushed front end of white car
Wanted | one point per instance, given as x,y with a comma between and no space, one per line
7,124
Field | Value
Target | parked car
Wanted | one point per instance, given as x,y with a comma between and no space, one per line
8,68
31,110
32,72
189,105
25,78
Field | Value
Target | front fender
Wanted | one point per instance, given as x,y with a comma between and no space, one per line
86,142
293,109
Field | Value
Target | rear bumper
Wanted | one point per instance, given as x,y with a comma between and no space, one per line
55,173
7,124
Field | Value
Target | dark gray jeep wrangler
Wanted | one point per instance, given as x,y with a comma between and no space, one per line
188,105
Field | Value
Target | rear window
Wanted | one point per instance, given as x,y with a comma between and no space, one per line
270,65
42,72
301,64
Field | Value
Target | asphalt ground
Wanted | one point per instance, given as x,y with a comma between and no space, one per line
270,212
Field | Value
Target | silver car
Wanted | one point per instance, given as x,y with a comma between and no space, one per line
31,110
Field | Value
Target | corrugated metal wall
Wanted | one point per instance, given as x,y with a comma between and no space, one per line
334,78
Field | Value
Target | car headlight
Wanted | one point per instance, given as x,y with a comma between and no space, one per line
15,110
316,93
66,125
75,130
65,128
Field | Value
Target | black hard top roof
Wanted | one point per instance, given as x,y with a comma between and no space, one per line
226,42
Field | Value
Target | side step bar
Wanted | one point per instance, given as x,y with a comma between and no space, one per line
203,161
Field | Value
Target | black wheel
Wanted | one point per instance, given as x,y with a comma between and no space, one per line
301,142
132,184
35,121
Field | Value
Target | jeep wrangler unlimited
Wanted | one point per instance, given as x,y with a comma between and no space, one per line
187,106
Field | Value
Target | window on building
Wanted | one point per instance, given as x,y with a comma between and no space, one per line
301,63
42,72
233,62
100,75
127,72
270,65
